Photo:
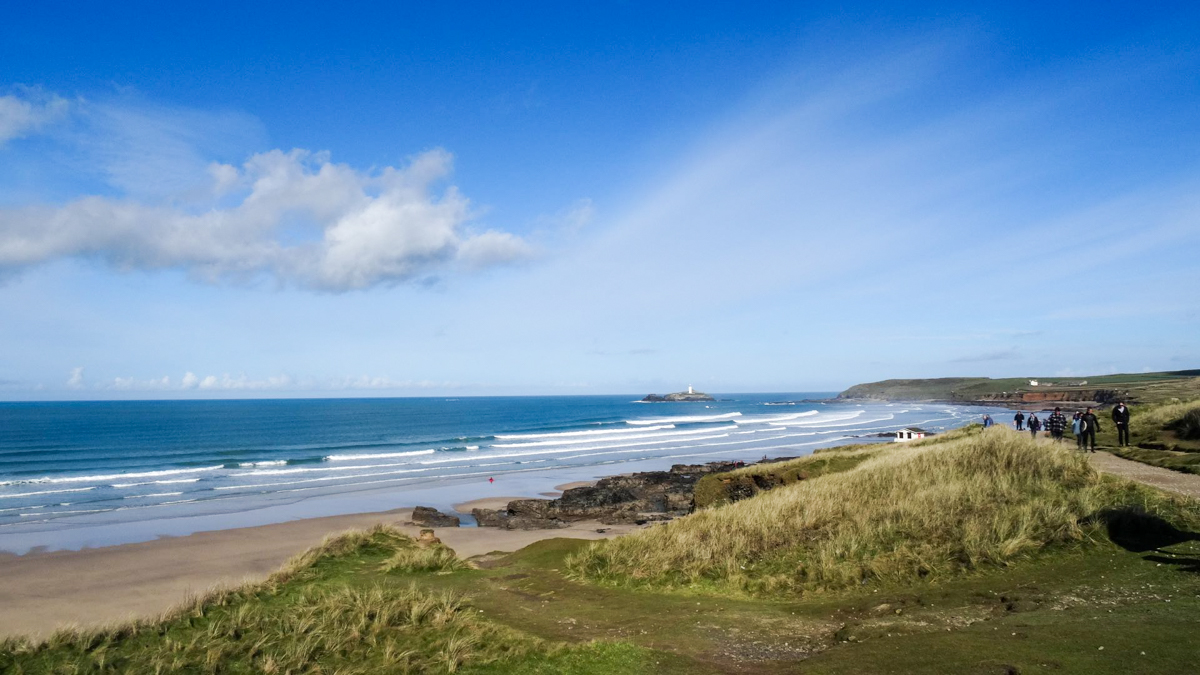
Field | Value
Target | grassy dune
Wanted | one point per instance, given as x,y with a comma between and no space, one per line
982,499
1165,435
730,486
973,552
322,612
723,488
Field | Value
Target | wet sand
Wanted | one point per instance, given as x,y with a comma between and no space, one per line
41,591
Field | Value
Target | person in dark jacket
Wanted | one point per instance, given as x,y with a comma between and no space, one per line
1120,418
1056,424
1088,426
987,421
1019,420
1035,425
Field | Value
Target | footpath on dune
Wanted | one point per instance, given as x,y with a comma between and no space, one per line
1164,479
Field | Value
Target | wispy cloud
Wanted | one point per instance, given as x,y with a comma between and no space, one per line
28,111
132,384
75,381
997,355
640,351
228,383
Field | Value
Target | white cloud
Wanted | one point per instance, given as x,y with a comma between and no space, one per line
298,218
377,382
76,379
241,382
23,114
132,384
493,248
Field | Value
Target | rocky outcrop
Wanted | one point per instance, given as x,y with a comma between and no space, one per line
636,499
429,517
507,520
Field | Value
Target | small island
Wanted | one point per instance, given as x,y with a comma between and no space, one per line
689,395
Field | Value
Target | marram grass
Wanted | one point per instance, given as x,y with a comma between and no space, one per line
305,618
1166,414
915,511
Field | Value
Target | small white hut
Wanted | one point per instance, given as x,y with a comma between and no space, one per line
911,434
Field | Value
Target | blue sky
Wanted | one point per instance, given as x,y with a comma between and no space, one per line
296,200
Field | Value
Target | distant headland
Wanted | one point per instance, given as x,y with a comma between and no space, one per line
689,395
1026,392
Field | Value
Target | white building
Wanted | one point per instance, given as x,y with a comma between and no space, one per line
1033,383
911,434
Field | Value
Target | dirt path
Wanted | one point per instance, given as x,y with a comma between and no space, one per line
1172,481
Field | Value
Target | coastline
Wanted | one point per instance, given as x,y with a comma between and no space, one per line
104,486
42,591
155,564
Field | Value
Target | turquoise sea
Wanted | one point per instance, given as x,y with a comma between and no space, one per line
76,474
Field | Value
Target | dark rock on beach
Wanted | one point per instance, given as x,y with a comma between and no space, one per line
506,520
637,498
423,515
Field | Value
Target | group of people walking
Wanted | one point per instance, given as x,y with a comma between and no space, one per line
1084,425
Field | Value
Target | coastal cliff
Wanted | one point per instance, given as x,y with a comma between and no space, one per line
1019,392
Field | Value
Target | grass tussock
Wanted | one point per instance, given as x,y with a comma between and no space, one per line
1187,426
314,615
730,486
358,630
1177,415
963,501
435,558
378,539
723,488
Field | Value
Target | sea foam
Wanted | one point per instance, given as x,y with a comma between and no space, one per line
685,420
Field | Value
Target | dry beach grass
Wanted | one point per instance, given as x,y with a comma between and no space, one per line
968,500
295,621
912,553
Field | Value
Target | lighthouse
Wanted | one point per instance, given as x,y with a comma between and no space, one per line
690,389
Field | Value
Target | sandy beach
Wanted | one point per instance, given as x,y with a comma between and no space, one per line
41,591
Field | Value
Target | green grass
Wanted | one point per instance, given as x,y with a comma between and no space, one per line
1187,427
1162,435
1186,462
979,552
413,558
335,608
918,511
723,488
1143,388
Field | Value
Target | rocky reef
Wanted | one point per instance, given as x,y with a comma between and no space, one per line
430,517
636,499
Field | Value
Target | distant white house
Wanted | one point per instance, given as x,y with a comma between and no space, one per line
1033,383
911,434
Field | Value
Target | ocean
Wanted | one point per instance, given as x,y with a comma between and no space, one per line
76,474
